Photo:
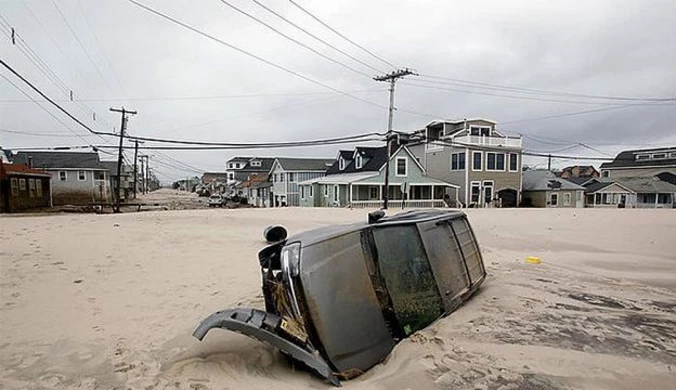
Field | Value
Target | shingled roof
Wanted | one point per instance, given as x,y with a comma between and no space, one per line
547,181
374,159
60,160
627,158
304,164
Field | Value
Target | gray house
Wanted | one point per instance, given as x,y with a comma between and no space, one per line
474,155
241,169
127,180
286,173
640,163
357,179
77,178
545,189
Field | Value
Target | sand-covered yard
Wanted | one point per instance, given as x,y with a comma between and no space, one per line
110,301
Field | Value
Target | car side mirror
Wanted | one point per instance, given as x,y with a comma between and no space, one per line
274,233
375,216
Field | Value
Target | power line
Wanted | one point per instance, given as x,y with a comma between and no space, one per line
250,146
316,37
575,113
341,35
553,93
84,49
295,40
36,134
249,54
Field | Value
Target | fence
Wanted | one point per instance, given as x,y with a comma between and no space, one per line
374,204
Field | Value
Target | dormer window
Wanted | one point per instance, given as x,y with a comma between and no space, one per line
659,156
341,163
640,157
236,165
480,130
359,161
255,163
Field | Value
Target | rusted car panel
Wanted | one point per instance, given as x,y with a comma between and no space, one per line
339,298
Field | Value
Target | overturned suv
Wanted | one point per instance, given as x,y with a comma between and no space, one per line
339,298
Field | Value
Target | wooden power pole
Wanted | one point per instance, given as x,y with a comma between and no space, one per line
135,166
123,127
392,77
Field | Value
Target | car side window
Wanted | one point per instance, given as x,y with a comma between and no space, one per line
469,248
408,278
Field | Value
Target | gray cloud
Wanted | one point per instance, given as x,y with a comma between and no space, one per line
622,48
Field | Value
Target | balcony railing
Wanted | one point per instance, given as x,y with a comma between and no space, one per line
396,204
507,142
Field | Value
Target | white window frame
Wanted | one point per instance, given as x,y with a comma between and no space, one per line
472,185
662,155
396,167
377,192
302,192
292,177
567,199
341,163
516,156
84,175
458,156
488,169
480,128
256,163
551,197
31,188
15,186
38,187
237,165
312,191
63,176
336,193
326,190
474,152
641,157
230,166
672,155
359,161
281,177
22,184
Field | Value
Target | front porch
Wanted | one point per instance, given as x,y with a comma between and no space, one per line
423,195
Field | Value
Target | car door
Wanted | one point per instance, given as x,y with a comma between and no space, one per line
446,261
407,276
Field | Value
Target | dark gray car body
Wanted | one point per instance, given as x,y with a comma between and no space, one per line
356,290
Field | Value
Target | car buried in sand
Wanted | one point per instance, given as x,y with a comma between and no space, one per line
339,298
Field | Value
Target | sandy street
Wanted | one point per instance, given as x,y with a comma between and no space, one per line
110,302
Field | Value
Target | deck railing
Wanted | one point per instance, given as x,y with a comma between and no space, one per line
374,204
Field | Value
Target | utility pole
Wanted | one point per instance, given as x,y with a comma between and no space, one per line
549,163
123,126
147,173
135,166
392,77
143,185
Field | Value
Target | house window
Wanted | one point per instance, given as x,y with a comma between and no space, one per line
480,130
15,186
663,198
230,166
99,175
292,177
402,166
281,177
231,176
341,163
578,196
488,191
476,161
302,192
359,161
326,191
553,199
605,173
31,188
63,175
38,187
373,192
672,155
312,191
495,161
659,156
256,163
566,199
640,157
457,161
22,184
81,175
335,193
513,162
476,191
236,165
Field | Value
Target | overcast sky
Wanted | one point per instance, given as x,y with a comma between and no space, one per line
132,58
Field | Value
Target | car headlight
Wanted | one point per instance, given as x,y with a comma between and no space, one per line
291,259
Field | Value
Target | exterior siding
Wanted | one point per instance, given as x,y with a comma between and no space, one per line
287,189
618,173
541,198
23,200
74,191
503,179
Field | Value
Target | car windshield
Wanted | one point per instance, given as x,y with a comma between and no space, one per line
215,197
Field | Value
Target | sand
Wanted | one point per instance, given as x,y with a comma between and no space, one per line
110,301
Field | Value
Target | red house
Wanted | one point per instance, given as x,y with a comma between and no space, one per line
23,188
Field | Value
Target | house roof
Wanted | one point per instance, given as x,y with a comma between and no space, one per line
253,180
668,177
341,178
375,158
547,181
458,121
266,163
20,169
57,160
304,164
579,180
597,185
648,185
627,159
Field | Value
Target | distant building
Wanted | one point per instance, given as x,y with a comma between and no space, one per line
77,178
474,155
257,190
357,179
23,188
239,169
127,180
543,189
579,171
215,181
287,172
640,163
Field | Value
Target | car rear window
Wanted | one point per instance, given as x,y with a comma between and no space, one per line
469,248
408,278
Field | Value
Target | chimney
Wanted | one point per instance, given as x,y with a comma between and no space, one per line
30,162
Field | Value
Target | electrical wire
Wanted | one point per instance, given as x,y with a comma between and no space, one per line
316,37
249,54
251,146
36,134
341,35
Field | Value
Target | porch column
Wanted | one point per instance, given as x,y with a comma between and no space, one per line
380,192
657,195
433,193
457,200
351,189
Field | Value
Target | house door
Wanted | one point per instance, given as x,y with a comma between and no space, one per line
508,197
488,193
